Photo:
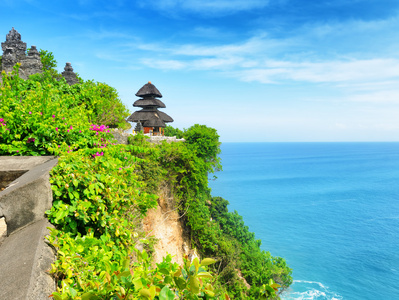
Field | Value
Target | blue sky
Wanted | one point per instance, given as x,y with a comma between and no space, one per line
256,70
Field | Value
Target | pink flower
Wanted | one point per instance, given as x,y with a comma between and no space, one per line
56,129
30,140
98,154
80,131
30,112
68,130
53,116
17,151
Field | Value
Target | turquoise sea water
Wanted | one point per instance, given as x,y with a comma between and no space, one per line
330,209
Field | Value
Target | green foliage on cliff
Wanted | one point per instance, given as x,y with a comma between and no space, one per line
214,231
171,131
102,191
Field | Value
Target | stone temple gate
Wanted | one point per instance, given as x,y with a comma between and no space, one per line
14,51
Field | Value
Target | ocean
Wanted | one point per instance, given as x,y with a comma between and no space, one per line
330,209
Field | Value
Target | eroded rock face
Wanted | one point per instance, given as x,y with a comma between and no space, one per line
164,223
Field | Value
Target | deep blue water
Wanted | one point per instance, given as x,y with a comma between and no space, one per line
330,209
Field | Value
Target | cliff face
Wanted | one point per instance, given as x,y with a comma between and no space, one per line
164,224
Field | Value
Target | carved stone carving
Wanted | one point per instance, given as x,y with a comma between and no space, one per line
13,40
13,35
69,74
31,64
9,59
33,52
14,50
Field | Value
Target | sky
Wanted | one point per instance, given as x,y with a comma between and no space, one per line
256,70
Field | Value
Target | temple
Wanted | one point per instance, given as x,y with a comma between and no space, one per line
14,51
149,119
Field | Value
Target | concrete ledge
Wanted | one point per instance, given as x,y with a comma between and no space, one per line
24,256
22,163
26,199
24,259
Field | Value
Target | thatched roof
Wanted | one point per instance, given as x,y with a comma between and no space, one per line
150,118
154,123
165,117
149,102
149,90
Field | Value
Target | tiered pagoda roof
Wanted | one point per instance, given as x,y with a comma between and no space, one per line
149,115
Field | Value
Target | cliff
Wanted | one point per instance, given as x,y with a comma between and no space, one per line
164,224
108,200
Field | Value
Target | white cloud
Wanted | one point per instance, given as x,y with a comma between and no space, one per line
325,71
238,62
205,7
164,64
383,96
270,60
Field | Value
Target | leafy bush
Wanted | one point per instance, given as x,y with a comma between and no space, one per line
171,131
42,114
48,61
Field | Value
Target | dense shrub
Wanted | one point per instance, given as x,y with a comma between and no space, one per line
171,131
42,114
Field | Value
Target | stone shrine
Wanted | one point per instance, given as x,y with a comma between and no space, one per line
69,74
14,51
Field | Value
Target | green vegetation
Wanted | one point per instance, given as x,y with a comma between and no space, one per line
214,231
102,191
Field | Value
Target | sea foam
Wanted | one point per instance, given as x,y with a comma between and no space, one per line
309,290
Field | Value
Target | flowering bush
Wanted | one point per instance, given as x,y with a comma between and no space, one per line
101,128
42,118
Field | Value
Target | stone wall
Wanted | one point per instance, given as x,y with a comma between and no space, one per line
122,137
